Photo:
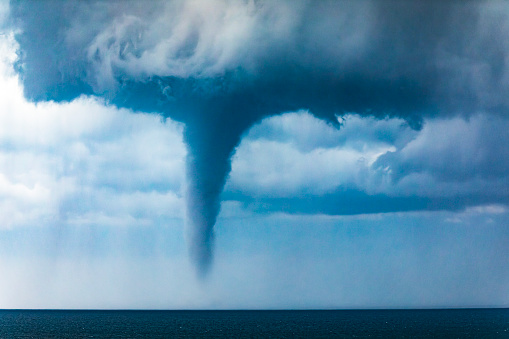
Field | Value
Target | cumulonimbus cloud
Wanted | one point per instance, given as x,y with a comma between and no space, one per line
221,66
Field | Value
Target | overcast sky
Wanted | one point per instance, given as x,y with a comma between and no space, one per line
358,155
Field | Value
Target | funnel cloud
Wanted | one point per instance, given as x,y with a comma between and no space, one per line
222,66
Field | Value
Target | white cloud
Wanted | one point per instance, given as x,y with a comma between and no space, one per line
191,38
488,209
4,12
83,161
124,209
297,155
279,169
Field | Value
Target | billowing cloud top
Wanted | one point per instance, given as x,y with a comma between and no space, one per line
391,57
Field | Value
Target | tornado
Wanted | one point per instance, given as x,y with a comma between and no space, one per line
207,167
221,66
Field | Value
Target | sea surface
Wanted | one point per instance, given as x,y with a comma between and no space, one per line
455,323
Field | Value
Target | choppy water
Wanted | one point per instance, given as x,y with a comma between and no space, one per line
462,323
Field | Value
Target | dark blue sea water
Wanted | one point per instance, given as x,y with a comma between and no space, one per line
461,323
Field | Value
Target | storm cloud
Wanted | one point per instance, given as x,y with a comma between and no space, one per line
220,67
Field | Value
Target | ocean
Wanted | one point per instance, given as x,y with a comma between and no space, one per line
448,323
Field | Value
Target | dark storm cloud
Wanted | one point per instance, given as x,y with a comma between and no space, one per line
405,58
359,202
221,66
